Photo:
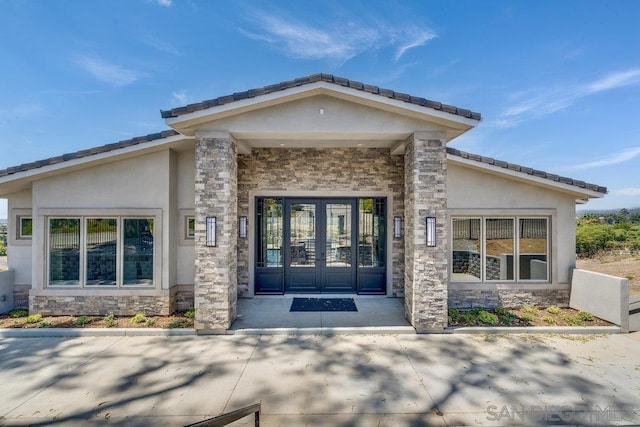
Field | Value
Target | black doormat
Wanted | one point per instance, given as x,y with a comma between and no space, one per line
323,304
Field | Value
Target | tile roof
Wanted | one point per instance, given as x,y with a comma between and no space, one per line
89,152
328,78
526,170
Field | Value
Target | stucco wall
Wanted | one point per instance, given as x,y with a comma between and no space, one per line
185,200
146,184
19,258
321,170
476,192
302,117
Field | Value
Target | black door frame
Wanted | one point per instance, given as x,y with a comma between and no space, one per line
360,277
320,278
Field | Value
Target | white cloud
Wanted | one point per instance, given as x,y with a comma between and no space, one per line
421,37
543,101
165,3
615,80
338,41
179,98
629,192
112,74
614,159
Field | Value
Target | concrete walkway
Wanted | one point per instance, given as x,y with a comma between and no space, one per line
344,380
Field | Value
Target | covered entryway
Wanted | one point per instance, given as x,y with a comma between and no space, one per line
318,245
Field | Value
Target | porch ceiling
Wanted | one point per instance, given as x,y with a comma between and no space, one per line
388,140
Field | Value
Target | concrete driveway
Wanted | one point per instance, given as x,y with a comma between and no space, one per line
346,380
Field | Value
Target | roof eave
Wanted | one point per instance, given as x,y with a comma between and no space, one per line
13,182
576,191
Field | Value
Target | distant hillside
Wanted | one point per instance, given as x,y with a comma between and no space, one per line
607,211
3,221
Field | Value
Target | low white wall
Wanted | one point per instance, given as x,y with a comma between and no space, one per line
634,313
601,295
6,291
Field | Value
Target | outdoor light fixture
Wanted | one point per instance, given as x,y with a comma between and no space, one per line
243,227
211,231
397,227
431,231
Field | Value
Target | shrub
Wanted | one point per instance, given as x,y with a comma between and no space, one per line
110,320
182,323
527,317
81,321
554,309
191,313
530,310
501,311
508,318
149,322
3,249
469,318
34,318
488,318
585,316
573,320
18,313
549,320
138,318
45,324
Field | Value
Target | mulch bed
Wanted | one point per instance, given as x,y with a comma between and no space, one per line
166,322
526,316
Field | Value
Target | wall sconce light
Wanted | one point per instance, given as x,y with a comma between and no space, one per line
211,231
431,231
397,227
243,227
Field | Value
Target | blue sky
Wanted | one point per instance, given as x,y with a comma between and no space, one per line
557,82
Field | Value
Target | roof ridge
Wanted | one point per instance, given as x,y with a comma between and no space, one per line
319,77
88,152
526,170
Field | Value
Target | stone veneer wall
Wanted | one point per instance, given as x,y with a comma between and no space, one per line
509,298
181,298
216,186
330,169
99,305
426,272
21,296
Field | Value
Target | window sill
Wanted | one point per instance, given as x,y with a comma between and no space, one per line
77,291
509,285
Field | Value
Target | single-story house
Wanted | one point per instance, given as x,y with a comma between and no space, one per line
318,185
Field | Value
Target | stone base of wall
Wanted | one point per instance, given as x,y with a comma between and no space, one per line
181,298
100,305
21,296
509,298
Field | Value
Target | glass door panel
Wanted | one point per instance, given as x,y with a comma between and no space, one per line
302,235
338,235
269,272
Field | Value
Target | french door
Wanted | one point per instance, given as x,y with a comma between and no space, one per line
319,250
306,245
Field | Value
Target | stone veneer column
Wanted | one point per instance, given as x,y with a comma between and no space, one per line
426,269
216,193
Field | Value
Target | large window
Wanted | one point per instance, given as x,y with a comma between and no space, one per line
490,249
100,251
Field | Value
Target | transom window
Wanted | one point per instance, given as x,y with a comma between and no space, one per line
490,249
111,251
189,227
25,225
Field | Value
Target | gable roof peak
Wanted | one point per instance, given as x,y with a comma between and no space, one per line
315,78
